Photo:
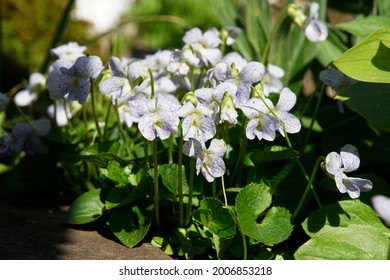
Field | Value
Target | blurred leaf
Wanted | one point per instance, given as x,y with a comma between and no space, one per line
383,7
228,15
371,101
251,202
102,153
130,224
215,217
363,27
368,61
85,209
330,49
346,230
258,21
271,153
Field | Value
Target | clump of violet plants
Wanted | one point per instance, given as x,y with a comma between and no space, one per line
200,151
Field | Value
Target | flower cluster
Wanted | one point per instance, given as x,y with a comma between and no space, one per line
196,88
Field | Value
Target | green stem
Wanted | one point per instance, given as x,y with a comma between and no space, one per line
243,238
170,149
309,186
224,191
180,180
120,127
239,163
190,191
151,82
314,117
105,131
60,30
156,188
94,111
302,168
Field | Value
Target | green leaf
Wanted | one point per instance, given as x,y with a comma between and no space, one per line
363,27
217,219
368,61
251,202
271,154
345,230
130,224
121,196
371,101
85,209
117,173
102,153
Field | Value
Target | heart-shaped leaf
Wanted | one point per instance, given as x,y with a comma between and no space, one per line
251,202
130,224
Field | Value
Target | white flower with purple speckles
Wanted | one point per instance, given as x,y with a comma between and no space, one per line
208,161
347,161
262,124
286,102
36,83
75,80
198,122
205,45
158,116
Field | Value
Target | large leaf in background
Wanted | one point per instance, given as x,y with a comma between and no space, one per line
371,101
275,226
383,7
345,230
368,61
85,209
228,15
258,23
363,27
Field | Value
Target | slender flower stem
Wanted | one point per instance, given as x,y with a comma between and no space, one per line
60,30
310,187
170,150
151,83
224,191
314,117
94,112
239,163
190,191
180,180
156,188
106,120
121,131
243,238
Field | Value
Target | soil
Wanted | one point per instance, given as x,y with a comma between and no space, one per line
32,228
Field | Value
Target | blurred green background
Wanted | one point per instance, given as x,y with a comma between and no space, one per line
28,27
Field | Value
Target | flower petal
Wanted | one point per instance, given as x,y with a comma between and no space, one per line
217,147
350,158
381,205
192,148
287,100
333,163
252,72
